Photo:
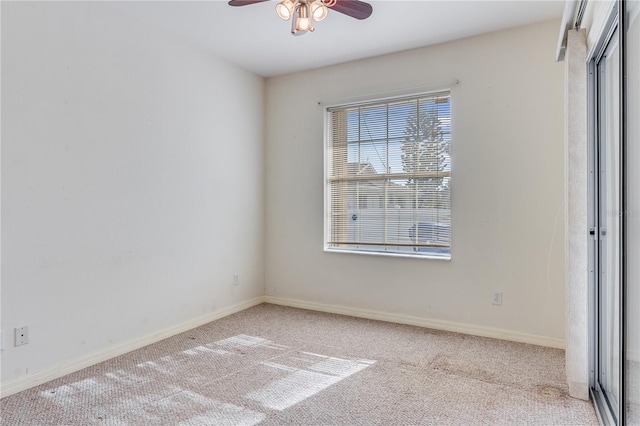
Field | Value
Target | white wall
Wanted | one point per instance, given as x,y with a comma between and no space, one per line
132,182
508,187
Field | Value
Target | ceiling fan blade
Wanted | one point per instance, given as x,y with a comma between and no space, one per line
354,8
244,2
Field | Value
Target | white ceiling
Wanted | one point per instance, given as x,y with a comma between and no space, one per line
256,39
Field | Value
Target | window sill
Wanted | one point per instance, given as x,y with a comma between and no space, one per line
446,257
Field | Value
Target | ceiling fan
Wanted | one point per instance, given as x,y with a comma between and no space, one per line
303,12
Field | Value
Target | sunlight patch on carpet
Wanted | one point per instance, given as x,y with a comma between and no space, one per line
161,385
242,340
302,383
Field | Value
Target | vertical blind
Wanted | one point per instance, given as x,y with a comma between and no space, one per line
389,176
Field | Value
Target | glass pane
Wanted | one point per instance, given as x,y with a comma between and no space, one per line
373,123
633,214
610,227
379,215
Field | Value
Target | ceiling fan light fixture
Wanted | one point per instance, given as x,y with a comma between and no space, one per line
302,20
318,10
285,8
303,13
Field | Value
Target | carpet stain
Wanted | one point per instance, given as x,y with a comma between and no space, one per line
467,371
409,366
550,392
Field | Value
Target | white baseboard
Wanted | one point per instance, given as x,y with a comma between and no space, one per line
495,333
17,385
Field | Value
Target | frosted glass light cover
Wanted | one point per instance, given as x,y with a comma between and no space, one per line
284,9
319,11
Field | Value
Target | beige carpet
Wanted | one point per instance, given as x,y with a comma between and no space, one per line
273,365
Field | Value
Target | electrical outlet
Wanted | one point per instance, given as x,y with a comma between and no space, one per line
21,335
236,279
497,298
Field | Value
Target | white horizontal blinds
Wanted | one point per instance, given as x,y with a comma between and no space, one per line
389,174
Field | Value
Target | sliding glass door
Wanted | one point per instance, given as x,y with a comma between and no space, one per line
608,198
615,109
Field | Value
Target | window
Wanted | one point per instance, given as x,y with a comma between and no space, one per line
398,152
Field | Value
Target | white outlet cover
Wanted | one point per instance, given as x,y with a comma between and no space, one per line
21,335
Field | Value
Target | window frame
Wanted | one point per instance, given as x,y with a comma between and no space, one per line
434,90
